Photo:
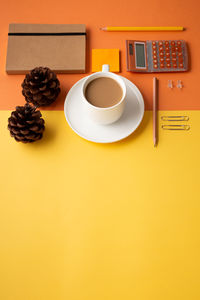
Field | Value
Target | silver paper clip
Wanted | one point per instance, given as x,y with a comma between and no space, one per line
175,118
175,127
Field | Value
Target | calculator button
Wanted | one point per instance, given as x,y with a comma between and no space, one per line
161,54
179,49
155,61
161,48
173,59
180,65
154,47
168,59
173,49
160,43
166,49
161,59
153,43
167,54
173,54
154,56
168,66
166,43
178,43
154,52
155,66
180,54
172,43
180,59
174,65
162,66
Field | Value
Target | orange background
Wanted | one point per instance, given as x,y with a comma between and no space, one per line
97,14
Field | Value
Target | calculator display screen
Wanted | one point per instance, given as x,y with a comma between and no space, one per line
140,55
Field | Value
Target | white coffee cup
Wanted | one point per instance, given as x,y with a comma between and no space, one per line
104,115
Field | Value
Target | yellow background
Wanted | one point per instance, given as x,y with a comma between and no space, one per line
85,221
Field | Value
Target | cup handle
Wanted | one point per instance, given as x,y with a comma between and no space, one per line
105,68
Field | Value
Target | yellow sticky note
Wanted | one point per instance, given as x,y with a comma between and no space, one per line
105,56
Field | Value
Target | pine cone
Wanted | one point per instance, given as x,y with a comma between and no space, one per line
41,87
25,124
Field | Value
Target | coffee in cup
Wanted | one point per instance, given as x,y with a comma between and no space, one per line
103,95
103,92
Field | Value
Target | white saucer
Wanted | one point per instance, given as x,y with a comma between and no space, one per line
87,129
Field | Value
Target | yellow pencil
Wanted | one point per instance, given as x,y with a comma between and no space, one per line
146,28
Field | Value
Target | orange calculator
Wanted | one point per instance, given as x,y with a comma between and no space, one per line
157,56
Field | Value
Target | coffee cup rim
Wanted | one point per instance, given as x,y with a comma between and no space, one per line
104,74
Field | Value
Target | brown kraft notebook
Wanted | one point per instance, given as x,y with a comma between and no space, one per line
61,47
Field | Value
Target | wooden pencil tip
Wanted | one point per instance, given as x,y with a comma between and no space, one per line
103,28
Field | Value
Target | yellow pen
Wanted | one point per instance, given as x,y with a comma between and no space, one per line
146,28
